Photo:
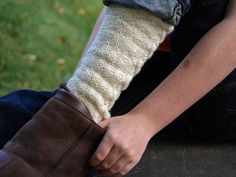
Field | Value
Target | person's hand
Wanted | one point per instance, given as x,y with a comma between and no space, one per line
122,146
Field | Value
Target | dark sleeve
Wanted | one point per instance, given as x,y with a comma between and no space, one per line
170,11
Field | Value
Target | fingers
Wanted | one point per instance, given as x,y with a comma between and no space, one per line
114,155
127,168
119,150
102,151
116,168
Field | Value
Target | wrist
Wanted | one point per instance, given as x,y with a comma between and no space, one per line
143,124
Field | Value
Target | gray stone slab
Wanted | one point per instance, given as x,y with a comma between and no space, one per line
184,159
179,159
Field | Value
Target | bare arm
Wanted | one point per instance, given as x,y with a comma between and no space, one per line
211,60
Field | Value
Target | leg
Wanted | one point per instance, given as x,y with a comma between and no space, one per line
48,144
59,139
18,108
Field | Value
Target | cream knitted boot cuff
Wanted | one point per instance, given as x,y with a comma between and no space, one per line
125,40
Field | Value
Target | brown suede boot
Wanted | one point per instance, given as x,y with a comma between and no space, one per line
57,142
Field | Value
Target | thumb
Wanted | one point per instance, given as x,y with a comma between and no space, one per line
104,123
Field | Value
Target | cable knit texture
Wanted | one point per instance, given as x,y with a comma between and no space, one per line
125,40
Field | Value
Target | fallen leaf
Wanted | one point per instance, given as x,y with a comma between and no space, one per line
82,11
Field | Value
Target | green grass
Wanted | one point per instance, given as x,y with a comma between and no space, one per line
41,41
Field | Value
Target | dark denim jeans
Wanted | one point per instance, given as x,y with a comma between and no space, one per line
170,11
213,118
17,108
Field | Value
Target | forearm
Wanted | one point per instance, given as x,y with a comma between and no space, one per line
94,33
208,63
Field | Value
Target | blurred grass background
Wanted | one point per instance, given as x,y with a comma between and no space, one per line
41,41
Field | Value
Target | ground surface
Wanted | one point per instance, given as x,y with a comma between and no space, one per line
41,41
175,159
182,159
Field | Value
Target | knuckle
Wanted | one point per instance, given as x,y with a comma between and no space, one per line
115,169
112,136
129,154
98,157
105,165
124,147
125,171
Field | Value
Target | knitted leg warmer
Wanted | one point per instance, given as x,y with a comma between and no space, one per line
125,40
